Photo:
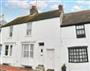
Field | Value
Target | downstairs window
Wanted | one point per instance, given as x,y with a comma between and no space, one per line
78,54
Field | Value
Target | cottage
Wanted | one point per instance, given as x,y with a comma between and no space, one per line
75,29
53,40
34,41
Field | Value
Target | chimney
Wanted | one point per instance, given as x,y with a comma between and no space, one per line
60,7
33,10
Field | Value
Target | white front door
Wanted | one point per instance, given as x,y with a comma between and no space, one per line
50,58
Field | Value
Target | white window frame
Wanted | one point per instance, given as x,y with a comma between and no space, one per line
9,51
11,31
28,51
78,54
80,31
29,28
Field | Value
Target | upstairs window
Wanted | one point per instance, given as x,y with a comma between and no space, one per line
29,28
78,54
80,31
11,31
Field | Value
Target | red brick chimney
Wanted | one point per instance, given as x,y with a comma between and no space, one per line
33,10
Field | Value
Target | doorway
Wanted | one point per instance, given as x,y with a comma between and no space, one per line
50,58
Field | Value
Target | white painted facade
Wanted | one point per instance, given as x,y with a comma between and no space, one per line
1,22
47,31
69,40
0,47
55,50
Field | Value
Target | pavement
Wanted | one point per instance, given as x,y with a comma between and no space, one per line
10,68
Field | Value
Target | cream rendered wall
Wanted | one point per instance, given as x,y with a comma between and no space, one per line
69,39
0,37
54,37
0,48
47,31
6,40
88,39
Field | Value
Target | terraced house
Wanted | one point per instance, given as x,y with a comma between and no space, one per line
50,39
2,21
75,37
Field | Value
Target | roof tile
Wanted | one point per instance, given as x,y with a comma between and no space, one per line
76,18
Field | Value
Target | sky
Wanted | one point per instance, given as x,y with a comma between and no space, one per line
15,8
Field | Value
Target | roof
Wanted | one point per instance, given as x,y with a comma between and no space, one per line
69,19
35,17
75,18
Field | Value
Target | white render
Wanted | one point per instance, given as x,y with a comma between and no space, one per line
0,47
47,31
69,39
1,23
55,38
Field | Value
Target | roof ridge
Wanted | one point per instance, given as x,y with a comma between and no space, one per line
38,13
80,17
78,12
35,17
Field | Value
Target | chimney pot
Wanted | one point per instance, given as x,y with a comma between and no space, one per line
33,10
60,7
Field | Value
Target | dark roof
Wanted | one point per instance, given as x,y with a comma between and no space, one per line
2,22
36,17
69,19
75,18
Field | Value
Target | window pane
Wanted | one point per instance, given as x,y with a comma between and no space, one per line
31,45
79,26
78,54
29,28
80,31
25,50
11,31
26,47
11,50
41,44
31,50
26,53
28,50
6,49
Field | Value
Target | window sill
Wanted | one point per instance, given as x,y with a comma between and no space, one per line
28,35
10,37
27,58
7,56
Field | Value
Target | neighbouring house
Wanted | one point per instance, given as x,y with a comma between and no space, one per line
50,39
2,22
75,35
0,45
